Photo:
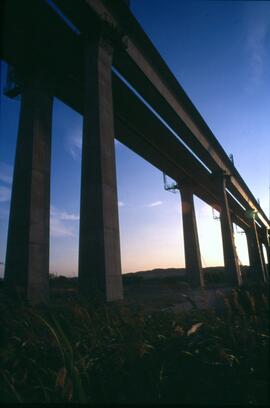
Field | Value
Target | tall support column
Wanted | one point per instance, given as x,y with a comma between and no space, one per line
191,240
257,269
99,247
27,257
229,250
254,259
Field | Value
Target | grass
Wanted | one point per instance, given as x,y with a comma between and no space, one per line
74,350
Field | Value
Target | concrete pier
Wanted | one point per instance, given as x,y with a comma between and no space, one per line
99,244
191,240
229,250
27,258
257,267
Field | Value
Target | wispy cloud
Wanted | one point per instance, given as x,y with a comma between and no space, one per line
5,173
68,217
257,40
5,193
58,226
154,204
74,144
59,230
121,204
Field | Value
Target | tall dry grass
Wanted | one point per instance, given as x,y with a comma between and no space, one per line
75,350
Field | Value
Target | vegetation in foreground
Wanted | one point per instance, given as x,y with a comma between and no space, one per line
77,351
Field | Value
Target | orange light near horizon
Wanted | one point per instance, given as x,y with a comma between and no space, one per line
209,235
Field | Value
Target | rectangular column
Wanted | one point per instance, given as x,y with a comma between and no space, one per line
27,257
257,269
253,255
191,240
229,250
99,246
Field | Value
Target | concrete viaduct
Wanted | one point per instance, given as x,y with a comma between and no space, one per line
92,55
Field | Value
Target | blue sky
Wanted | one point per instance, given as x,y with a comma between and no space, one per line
220,53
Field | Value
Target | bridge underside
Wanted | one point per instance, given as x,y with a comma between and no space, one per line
37,40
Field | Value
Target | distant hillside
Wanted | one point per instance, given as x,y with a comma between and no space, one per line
158,273
165,273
